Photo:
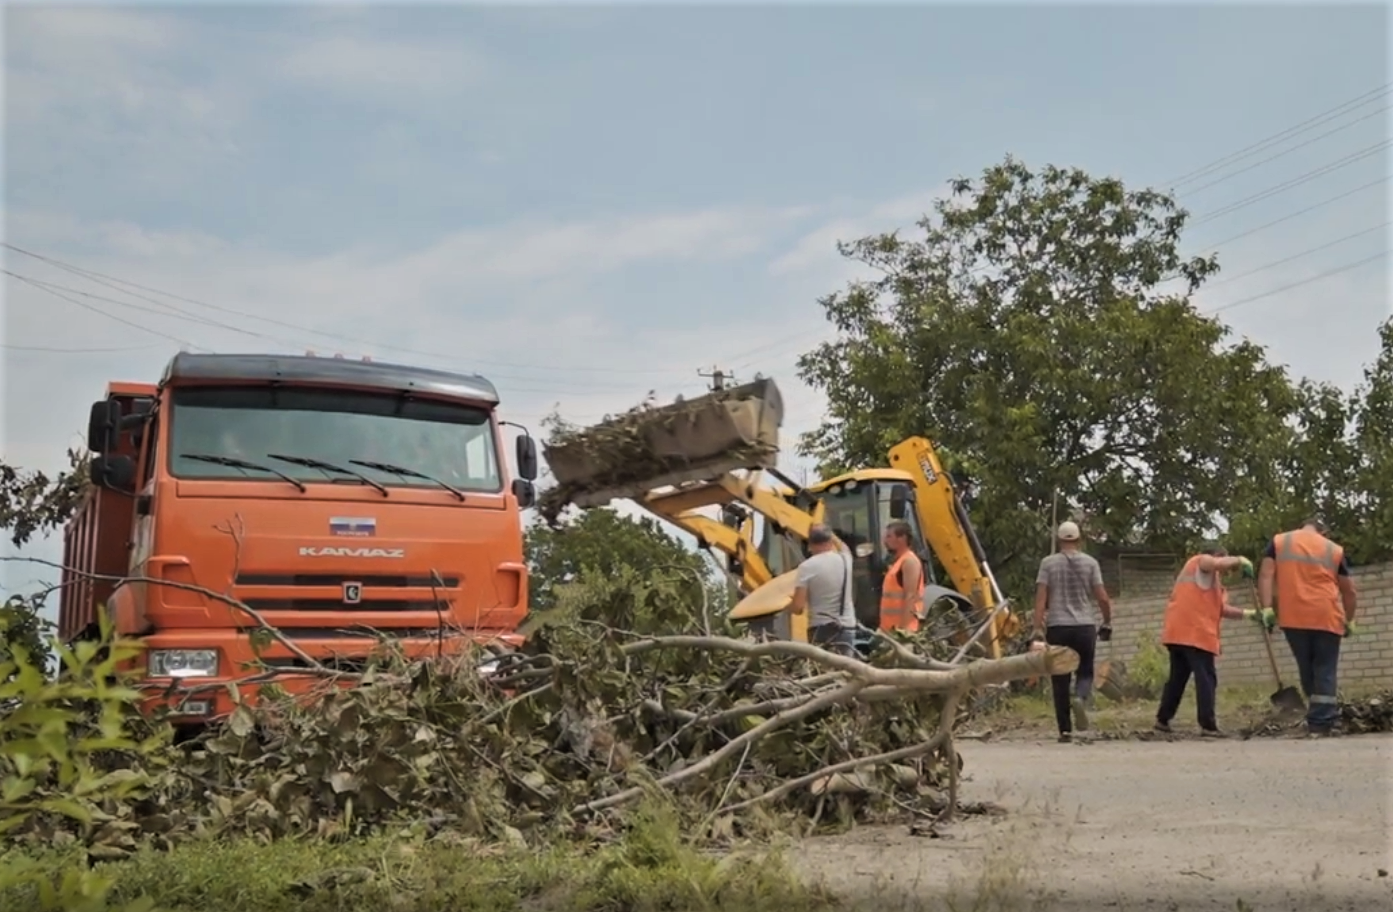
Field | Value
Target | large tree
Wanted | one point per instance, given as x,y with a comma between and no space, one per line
1335,458
1040,329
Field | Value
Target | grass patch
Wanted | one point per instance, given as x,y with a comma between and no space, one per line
1032,712
647,870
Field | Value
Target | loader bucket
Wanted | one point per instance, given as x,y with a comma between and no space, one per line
689,440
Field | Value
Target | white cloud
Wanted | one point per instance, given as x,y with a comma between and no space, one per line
818,248
358,62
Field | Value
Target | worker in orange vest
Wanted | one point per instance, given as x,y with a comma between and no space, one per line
1315,606
1190,633
902,594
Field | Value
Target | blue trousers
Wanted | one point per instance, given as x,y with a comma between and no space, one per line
1317,654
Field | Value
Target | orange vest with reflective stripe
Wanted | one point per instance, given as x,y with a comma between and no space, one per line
1308,598
895,613
1193,613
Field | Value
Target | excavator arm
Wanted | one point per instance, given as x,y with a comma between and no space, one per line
949,532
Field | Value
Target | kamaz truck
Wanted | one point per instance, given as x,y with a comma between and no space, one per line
341,501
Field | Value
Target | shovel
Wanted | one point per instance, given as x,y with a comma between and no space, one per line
1286,698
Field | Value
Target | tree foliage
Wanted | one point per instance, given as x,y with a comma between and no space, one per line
609,543
1335,457
1027,331
32,503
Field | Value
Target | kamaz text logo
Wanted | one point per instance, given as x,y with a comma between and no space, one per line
353,552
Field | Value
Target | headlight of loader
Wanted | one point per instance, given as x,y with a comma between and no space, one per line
183,663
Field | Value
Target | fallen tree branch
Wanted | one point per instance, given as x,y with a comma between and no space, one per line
808,708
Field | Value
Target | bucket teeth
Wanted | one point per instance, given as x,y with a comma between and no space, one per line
653,447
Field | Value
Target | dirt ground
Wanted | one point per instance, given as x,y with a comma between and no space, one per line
1265,824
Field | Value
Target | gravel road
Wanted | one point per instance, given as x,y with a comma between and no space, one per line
1280,825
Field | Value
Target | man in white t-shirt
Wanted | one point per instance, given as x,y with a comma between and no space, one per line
823,588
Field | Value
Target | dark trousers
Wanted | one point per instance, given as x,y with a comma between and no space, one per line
1317,654
1083,639
833,638
1187,661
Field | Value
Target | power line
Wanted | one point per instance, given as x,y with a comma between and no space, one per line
1304,211
46,349
1262,144
1305,126
1271,158
1296,256
86,306
1307,281
1297,181
89,273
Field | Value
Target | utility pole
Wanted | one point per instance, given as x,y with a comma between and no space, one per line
717,377
1054,521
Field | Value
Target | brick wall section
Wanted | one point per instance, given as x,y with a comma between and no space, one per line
1366,662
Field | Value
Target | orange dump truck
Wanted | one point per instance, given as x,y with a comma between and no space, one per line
342,500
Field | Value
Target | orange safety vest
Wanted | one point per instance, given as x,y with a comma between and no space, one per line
1308,597
1193,613
895,613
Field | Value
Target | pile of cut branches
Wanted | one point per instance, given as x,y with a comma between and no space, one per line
1372,714
562,737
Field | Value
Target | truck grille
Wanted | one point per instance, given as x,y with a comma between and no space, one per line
333,604
338,579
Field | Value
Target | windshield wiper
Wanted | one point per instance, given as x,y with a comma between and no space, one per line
323,466
406,473
236,463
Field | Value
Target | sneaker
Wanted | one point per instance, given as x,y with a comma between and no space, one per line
1066,737
1212,733
1162,727
1080,715
1319,732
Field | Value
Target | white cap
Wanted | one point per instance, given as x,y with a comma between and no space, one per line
1068,531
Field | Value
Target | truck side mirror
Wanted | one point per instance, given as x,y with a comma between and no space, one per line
527,457
115,473
103,424
899,502
525,492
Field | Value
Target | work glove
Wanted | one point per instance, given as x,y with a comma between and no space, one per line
1351,629
1264,616
1245,567
1105,633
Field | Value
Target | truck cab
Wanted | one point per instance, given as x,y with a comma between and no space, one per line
335,500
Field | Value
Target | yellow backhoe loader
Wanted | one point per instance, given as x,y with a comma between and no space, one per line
720,450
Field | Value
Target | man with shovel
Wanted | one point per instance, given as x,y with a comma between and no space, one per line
1190,633
1316,603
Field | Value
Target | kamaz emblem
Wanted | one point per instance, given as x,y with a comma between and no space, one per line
352,593
395,553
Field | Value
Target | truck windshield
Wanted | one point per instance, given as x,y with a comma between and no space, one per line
446,442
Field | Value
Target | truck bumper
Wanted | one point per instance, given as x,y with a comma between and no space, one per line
194,700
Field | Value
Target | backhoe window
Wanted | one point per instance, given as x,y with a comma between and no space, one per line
850,514
453,442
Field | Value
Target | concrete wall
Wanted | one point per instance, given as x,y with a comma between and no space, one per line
1140,588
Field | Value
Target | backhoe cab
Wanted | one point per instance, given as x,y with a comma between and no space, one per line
718,451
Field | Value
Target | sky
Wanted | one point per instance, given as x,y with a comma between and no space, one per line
586,204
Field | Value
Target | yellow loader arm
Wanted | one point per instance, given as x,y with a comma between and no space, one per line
949,532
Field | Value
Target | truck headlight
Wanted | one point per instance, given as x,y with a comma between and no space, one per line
183,663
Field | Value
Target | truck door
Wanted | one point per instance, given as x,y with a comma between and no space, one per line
143,532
